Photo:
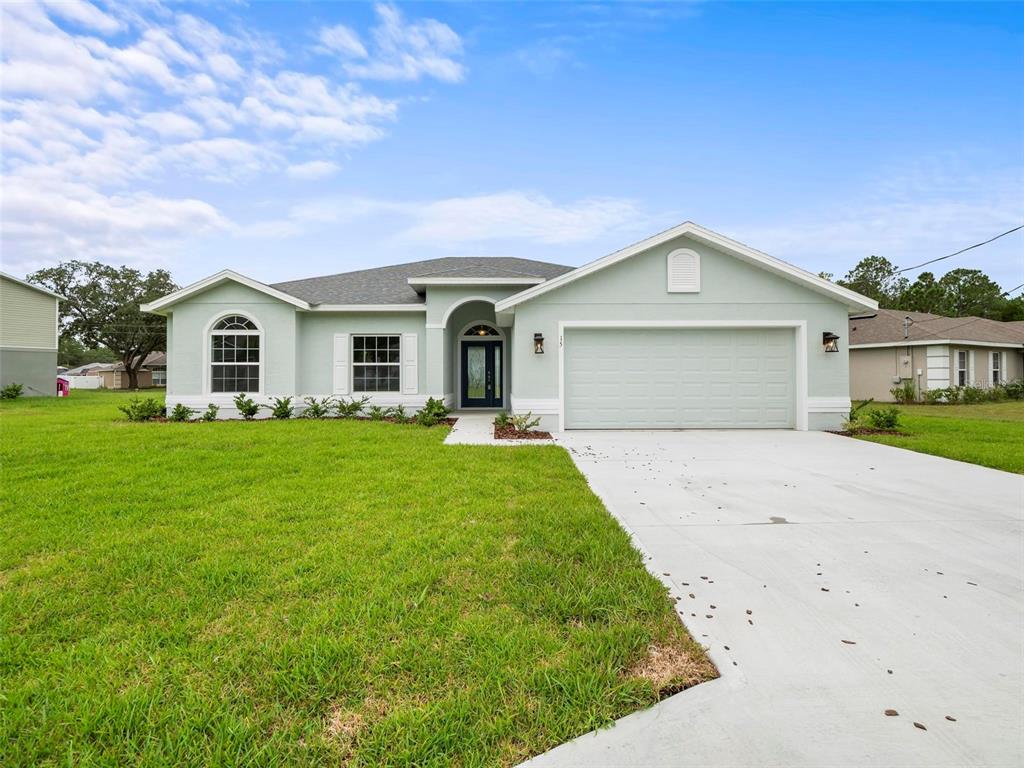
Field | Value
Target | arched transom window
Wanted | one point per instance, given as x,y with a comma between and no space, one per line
481,330
235,355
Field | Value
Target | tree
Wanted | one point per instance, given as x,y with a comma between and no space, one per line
925,295
877,278
1012,309
971,292
72,353
102,307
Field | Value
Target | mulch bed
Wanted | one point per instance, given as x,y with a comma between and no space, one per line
511,433
865,431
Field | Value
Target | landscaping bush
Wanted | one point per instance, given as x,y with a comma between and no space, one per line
377,413
432,412
281,408
398,414
503,420
524,422
317,409
11,392
138,409
884,418
180,413
904,392
246,407
1014,390
856,408
934,396
971,394
350,409
210,414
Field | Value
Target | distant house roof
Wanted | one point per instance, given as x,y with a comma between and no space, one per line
886,327
82,370
391,285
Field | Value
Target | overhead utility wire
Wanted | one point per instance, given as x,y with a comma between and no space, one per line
963,250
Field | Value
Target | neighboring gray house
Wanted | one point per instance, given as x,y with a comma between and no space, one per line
890,346
685,329
28,336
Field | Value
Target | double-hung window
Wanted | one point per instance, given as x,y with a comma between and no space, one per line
235,355
376,363
997,368
961,367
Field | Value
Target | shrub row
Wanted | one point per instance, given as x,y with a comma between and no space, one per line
968,395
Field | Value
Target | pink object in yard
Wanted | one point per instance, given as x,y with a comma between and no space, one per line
63,387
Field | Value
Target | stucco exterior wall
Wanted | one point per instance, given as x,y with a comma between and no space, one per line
28,318
636,289
34,369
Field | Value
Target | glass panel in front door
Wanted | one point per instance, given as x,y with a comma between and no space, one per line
476,373
497,372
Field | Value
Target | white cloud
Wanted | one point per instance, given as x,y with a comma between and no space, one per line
341,40
314,169
98,105
401,50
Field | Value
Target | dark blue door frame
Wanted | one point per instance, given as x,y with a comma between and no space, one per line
493,395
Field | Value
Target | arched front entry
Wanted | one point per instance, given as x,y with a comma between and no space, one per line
481,365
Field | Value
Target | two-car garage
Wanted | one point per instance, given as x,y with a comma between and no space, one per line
679,377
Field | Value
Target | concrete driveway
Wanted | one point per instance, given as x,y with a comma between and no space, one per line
831,580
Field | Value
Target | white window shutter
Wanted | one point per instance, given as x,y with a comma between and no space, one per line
684,271
971,378
341,346
410,366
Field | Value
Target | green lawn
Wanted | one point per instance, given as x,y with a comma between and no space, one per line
305,592
990,434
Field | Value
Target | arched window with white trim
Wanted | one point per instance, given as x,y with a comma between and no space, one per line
235,357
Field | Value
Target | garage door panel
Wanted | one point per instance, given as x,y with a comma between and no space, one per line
679,378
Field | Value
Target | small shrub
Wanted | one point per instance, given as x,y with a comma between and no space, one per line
350,409
904,392
398,414
11,392
281,408
432,412
210,414
884,418
377,413
934,396
180,413
1014,390
246,407
997,394
138,409
971,394
524,422
503,420
317,409
857,408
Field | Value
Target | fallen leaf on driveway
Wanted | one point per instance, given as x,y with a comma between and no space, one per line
891,713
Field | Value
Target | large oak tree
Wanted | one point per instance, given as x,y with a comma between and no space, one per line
102,308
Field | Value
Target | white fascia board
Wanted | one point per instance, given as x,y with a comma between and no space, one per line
369,308
33,286
416,281
939,342
225,275
853,300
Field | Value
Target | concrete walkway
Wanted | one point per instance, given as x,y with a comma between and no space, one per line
831,580
477,428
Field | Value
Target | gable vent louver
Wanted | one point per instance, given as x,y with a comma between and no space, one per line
684,271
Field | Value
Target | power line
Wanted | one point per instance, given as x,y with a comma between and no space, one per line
1007,293
963,250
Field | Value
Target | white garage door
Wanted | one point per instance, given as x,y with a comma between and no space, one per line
679,378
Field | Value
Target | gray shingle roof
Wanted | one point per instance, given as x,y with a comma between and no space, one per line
887,326
389,285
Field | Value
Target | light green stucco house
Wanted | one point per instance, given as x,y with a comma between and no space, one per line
686,329
28,336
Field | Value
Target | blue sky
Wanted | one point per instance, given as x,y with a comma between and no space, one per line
293,139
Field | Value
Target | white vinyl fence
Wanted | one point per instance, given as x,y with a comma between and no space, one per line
84,382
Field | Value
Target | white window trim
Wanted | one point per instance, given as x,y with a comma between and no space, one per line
208,349
800,339
352,364
995,365
966,369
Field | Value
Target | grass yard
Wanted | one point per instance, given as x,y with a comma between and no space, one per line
990,434
309,592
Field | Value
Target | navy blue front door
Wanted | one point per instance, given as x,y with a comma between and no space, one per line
481,374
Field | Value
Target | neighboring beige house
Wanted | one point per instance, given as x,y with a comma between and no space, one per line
28,336
891,346
153,373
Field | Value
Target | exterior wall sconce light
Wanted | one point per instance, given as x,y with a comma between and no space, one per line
830,341
538,343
